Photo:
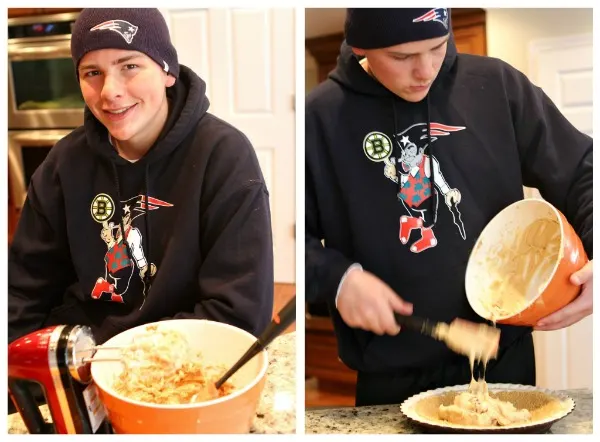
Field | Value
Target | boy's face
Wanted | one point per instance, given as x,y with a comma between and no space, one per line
407,69
126,92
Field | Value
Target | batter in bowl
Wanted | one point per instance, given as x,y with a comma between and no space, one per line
522,268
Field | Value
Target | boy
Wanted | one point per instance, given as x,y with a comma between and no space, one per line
154,209
411,149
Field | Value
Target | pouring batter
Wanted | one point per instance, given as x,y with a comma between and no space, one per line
479,342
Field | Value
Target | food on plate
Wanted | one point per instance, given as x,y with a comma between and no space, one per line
522,267
476,407
479,342
160,367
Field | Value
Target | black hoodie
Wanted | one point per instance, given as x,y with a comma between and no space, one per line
201,247
490,133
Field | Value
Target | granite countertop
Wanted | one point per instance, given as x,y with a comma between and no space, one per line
276,411
387,419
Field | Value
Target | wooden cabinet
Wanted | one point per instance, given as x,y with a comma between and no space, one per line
26,12
321,358
469,32
325,51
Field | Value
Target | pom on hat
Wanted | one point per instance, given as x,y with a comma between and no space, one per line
134,29
373,28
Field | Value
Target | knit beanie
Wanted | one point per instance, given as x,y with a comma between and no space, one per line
374,28
134,29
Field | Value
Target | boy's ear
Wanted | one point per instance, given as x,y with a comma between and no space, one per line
358,51
170,81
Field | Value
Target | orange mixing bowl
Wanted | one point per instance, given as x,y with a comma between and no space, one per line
507,262
219,344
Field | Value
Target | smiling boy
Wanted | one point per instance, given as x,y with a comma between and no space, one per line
154,209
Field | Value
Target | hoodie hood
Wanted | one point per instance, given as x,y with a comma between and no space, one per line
350,74
188,103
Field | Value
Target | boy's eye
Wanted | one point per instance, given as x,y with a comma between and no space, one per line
131,66
91,73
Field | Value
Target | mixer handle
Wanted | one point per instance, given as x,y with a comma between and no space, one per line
28,407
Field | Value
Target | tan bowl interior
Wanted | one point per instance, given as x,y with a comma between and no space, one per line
487,262
540,405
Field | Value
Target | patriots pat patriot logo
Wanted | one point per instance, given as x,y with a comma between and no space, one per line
122,27
439,15
419,178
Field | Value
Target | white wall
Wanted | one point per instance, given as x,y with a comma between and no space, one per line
510,31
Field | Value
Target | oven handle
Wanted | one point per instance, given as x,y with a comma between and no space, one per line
60,49
39,137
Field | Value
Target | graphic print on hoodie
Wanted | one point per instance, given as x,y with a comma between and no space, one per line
419,182
123,259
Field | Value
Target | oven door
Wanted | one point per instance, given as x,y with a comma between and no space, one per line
26,151
43,91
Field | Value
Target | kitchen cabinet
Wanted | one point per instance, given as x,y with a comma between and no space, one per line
27,12
321,359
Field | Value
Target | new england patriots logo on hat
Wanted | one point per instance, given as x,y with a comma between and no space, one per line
437,14
122,27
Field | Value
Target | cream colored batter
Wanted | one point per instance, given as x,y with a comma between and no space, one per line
479,342
522,268
477,407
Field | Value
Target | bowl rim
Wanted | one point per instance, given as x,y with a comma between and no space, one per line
238,392
470,265
408,407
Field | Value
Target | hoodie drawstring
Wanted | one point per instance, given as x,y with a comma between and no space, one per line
121,223
428,150
431,168
148,275
396,150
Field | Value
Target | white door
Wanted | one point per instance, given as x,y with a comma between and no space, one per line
246,57
563,69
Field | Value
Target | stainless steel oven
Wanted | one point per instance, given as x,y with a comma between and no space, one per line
43,92
26,151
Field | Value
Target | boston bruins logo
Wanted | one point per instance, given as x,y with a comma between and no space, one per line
102,208
377,146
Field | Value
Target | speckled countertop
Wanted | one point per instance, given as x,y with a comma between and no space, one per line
276,412
387,419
